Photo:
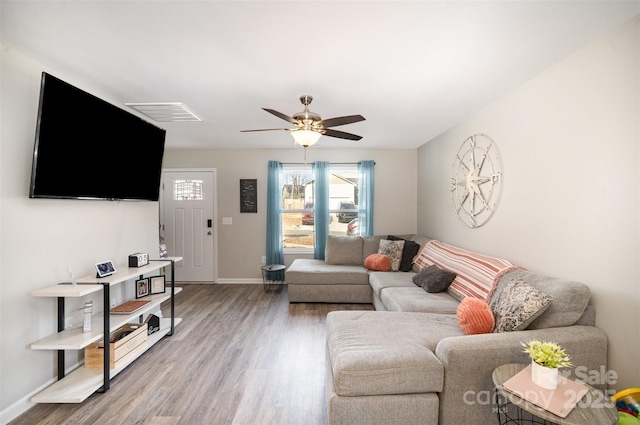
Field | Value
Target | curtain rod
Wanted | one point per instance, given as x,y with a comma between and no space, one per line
336,163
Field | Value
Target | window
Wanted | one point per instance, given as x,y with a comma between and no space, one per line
187,190
298,215
297,207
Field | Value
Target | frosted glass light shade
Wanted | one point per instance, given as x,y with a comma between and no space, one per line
305,137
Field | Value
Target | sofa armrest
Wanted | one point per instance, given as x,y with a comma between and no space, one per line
470,360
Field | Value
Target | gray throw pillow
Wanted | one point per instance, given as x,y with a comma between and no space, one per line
433,279
518,305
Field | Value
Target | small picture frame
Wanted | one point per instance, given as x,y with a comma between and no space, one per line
157,284
142,287
105,268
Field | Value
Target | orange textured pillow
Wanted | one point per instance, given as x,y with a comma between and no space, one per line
475,316
378,262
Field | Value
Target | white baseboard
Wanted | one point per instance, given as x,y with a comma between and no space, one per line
241,281
20,406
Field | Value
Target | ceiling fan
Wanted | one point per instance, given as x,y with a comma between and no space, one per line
309,126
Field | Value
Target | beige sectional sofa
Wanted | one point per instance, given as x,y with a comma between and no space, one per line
409,362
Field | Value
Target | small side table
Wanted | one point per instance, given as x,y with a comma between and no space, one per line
512,409
273,278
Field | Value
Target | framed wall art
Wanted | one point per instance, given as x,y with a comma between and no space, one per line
157,284
248,195
142,287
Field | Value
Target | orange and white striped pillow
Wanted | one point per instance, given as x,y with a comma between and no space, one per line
476,274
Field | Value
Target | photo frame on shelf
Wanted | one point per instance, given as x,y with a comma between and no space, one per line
157,284
105,268
142,287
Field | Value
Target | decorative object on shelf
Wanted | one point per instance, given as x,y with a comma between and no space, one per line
105,268
163,251
248,195
72,278
138,259
476,180
157,284
128,307
142,287
153,323
126,340
86,323
546,358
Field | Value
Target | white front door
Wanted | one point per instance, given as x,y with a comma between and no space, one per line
187,222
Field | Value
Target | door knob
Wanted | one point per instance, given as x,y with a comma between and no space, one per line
209,232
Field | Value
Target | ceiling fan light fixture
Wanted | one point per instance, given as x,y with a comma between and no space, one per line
305,137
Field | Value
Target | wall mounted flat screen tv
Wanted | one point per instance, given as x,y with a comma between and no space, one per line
87,148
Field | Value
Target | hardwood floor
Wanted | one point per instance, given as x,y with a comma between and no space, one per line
239,356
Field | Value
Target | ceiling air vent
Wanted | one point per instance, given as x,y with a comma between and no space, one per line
165,111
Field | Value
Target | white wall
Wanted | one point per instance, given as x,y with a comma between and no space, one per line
569,141
41,237
242,244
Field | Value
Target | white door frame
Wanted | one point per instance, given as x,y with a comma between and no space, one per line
215,209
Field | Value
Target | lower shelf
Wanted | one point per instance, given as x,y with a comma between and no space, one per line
78,385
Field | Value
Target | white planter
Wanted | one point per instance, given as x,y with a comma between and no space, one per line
545,377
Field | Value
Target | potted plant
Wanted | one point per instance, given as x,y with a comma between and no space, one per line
546,358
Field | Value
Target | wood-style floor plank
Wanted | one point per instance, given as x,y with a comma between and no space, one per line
239,357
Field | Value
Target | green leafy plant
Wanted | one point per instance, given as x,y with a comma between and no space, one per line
547,354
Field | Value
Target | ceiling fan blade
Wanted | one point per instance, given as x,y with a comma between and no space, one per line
267,129
341,134
281,115
348,119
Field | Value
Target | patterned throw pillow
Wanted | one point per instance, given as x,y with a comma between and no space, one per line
394,250
475,316
518,305
409,251
378,263
433,279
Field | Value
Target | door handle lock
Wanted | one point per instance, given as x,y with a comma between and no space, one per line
209,233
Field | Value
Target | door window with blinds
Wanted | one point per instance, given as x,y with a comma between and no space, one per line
188,190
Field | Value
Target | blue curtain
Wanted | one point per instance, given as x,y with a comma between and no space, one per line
321,207
365,194
275,252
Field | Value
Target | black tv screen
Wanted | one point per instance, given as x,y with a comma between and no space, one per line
87,148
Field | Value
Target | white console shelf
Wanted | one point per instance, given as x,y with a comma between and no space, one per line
82,382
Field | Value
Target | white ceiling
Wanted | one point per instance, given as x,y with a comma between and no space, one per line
412,69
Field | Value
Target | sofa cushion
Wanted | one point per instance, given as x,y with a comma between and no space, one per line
370,245
376,353
304,271
394,250
381,280
475,316
476,274
343,250
378,262
518,305
570,298
414,299
434,279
